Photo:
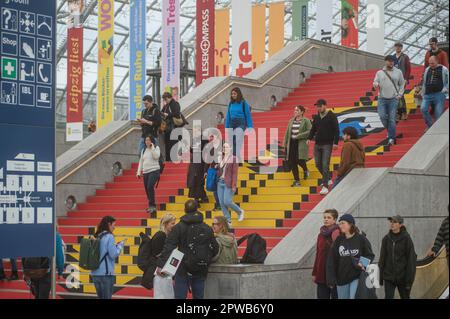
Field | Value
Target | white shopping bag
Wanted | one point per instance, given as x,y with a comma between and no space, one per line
163,288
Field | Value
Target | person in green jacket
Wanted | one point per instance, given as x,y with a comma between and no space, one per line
227,242
295,143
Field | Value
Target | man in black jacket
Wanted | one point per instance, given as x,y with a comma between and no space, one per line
325,133
397,260
150,121
198,251
170,110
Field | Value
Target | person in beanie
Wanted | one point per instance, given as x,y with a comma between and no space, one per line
344,264
328,234
397,260
441,240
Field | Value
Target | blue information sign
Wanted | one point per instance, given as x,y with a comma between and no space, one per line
27,128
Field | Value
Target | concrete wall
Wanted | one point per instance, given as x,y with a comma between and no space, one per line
416,188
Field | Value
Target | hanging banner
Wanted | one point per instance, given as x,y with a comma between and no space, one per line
276,27
205,40
137,57
349,23
300,20
324,23
375,26
171,47
105,82
76,8
222,42
259,34
242,63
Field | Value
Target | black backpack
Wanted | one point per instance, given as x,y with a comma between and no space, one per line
199,248
255,253
144,252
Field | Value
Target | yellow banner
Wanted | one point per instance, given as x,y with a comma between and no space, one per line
259,34
276,27
105,83
222,43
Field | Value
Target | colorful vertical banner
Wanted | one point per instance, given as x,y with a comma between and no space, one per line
299,20
205,40
105,81
259,34
222,42
137,57
241,62
171,47
324,23
349,23
276,27
375,26
74,101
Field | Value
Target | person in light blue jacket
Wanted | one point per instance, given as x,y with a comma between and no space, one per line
103,277
238,116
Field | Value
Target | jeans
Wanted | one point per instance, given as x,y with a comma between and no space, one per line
325,292
322,157
387,110
13,265
294,161
438,99
150,180
216,197
237,140
226,200
348,291
40,288
389,290
196,283
104,286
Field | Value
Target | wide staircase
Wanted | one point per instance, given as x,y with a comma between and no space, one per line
272,207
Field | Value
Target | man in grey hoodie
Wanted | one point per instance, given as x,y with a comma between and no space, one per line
391,84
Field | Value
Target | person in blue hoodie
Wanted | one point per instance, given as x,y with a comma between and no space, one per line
238,116
103,277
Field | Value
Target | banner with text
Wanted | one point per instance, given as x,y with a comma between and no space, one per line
171,47
299,20
105,81
242,63
349,23
222,43
137,57
259,34
324,24
205,40
276,27
375,26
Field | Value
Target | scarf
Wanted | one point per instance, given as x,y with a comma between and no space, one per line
326,232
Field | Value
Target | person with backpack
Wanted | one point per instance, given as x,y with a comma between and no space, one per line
150,121
327,235
196,241
238,117
344,263
14,273
227,185
104,275
197,171
173,118
297,152
397,260
150,167
228,254
403,63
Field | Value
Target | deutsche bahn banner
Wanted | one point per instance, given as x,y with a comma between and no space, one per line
242,63
137,57
105,83
299,20
349,23
74,126
171,47
324,23
205,40
375,26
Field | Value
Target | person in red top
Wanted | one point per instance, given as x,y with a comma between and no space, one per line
328,234
435,51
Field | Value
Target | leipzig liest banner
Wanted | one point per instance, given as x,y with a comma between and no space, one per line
222,43
171,47
324,23
105,83
259,34
74,101
242,63
276,27
375,26
299,20
137,57
205,40
349,23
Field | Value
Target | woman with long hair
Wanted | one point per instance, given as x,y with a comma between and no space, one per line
227,242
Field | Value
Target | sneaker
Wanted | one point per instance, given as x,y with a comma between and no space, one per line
404,116
391,142
230,225
330,182
241,216
151,209
14,276
306,175
295,184
324,191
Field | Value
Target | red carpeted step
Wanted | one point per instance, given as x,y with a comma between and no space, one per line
92,222
100,214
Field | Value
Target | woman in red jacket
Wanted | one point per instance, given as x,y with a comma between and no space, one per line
328,233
